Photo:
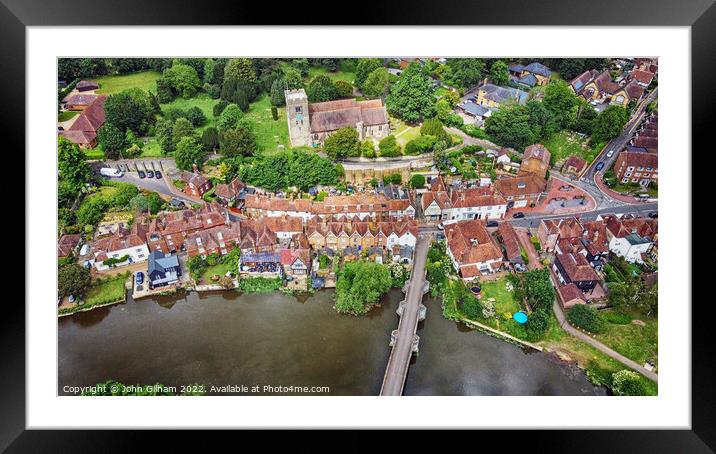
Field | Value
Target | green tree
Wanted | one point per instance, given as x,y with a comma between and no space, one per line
389,147
511,127
367,149
196,116
321,88
360,285
183,80
586,317
417,181
561,101
182,128
609,123
165,134
139,204
277,92
209,66
130,109
364,67
433,127
91,211
419,145
627,383
411,97
498,73
344,88
229,118
466,72
71,164
124,193
342,143
210,139
73,280
293,79
189,151
240,69
240,141
377,83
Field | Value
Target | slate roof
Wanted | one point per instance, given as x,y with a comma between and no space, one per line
503,94
538,68
577,267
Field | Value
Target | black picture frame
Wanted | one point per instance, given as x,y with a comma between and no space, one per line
700,15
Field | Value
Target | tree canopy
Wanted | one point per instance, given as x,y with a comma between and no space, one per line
290,168
411,97
360,285
189,151
342,143
321,88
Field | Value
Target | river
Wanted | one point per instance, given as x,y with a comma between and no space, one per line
273,339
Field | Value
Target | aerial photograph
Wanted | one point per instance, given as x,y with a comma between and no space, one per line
375,226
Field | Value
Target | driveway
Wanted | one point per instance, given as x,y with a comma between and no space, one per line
524,236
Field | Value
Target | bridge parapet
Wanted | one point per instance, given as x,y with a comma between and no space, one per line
416,341
422,312
394,337
426,287
401,308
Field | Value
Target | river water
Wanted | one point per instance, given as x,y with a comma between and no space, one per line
226,339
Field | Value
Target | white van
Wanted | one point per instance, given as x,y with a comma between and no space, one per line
110,172
610,153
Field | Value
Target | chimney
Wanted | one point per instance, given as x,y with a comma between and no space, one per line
195,168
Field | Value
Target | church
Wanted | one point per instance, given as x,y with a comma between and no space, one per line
310,124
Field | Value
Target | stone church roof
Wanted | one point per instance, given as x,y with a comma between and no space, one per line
332,115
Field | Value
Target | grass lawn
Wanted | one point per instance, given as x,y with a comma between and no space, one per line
202,101
406,133
106,291
338,75
151,148
66,115
269,132
221,269
104,192
639,343
504,299
94,153
146,80
566,143
598,366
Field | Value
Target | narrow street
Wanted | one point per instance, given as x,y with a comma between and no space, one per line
524,236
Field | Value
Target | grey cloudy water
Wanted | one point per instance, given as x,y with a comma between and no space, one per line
225,339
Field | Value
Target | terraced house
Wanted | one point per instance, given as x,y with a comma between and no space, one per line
361,205
339,233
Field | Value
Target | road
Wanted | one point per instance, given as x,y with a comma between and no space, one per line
642,210
399,361
620,142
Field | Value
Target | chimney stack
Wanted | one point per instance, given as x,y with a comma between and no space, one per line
195,168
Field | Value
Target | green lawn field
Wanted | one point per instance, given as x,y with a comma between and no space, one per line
146,80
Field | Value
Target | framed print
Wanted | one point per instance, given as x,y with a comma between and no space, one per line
343,226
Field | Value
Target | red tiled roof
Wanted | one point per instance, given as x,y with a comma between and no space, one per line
470,242
524,185
577,267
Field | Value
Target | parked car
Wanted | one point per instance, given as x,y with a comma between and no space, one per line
139,278
158,175
110,172
600,166
177,203
141,174
441,226
150,174
519,214
610,153
653,214
492,223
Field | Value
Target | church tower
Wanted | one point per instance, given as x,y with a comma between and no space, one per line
299,127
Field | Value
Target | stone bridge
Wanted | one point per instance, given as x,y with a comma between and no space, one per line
404,340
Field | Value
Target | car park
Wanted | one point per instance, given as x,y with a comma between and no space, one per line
141,174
